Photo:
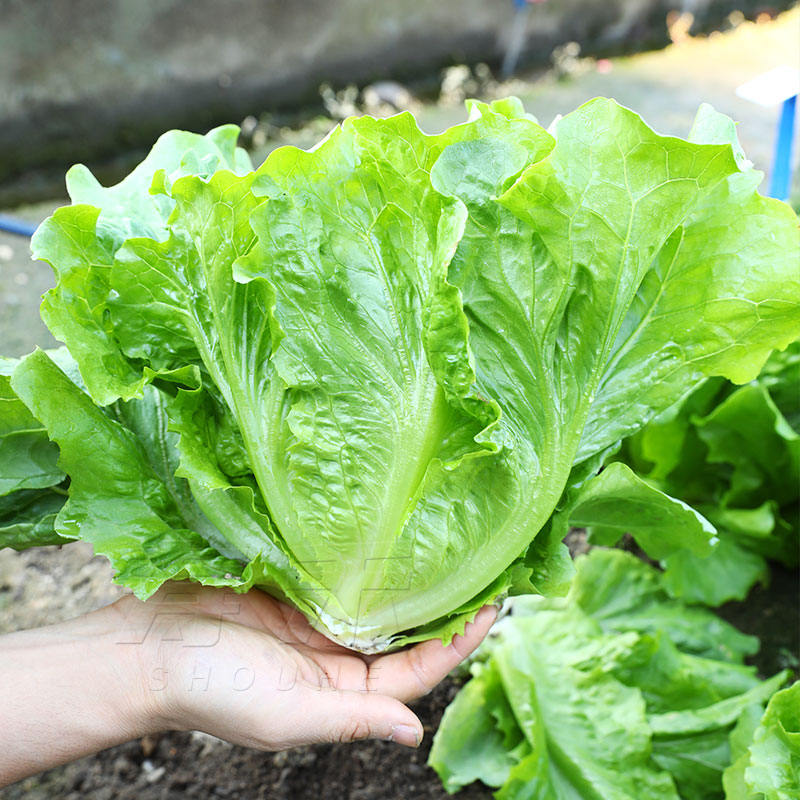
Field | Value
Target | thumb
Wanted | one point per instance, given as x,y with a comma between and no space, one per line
335,715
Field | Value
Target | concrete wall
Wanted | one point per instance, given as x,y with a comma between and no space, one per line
82,80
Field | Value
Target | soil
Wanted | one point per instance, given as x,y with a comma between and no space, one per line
772,613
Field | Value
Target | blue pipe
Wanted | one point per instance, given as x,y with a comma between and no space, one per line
780,184
17,226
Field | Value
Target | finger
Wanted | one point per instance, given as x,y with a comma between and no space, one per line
344,716
414,672
342,670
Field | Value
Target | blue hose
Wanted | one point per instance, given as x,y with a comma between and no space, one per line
780,184
17,226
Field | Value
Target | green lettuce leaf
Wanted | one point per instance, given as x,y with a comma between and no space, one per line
740,740
28,460
734,454
113,479
728,573
32,486
624,594
129,208
485,741
27,518
80,242
580,724
768,763
617,501
781,377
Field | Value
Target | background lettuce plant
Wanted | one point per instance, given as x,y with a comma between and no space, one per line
619,692
733,453
767,751
363,377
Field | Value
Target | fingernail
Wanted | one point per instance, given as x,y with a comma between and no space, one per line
406,735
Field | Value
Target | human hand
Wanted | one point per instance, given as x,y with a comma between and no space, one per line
251,670
245,668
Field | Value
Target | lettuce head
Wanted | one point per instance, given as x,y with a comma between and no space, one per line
363,376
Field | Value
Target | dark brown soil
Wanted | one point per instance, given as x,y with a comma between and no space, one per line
772,613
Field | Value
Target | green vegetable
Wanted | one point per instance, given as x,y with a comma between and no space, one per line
767,751
381,362
734,454
32,485
603,695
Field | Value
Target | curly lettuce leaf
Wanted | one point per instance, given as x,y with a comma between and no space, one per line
624,594
733,454
130,208
484,741
117,501
684,323
80,242
748,432
768,763
694,745
580,725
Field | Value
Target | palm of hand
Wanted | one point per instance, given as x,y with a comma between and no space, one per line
251,670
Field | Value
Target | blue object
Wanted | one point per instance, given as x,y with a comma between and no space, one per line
516,38
17,226
780,182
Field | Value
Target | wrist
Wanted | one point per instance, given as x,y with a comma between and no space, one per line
118,699
150,642
80,660
135,675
